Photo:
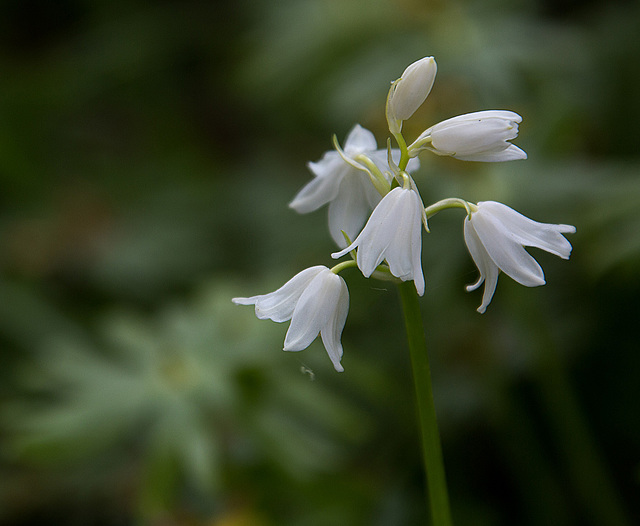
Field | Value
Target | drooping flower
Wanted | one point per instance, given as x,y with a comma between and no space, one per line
316,301
409,92
496,236
348,190
479,136
393,233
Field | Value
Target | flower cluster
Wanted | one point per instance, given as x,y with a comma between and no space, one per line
373,199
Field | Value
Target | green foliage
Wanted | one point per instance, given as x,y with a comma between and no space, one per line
177,394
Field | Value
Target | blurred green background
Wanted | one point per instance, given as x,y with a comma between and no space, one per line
148,151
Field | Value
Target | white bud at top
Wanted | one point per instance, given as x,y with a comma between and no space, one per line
409,92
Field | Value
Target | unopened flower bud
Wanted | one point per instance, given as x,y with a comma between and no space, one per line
409,92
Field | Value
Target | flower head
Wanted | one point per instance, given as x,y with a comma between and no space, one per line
479,136
394,233
496,236
316,300
348,190
409,92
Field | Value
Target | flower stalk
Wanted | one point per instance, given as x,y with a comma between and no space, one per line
404,152
343,265
431,448
450,202
373,199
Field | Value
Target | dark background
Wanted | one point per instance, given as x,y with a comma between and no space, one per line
148,151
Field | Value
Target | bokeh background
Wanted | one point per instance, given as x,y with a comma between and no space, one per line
148,151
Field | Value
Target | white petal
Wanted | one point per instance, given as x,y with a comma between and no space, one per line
511,153
332,332
507,253
372,195
489,271
280,304
413,165
379,232
416,256
474,136
375,236
530,233
405,250
346,250
349,210
505,115
359,140
329,172
313,310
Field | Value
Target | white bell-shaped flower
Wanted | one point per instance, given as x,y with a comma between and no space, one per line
479,136
496,236
349,191
316,301
393,233
409,92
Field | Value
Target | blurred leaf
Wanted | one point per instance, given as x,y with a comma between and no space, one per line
173,386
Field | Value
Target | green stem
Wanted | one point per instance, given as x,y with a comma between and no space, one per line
431,448
343,265
404,152
451,202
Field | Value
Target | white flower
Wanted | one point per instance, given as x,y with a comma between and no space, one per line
316,300
496,236
394,233
409,92
348,190
480,136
